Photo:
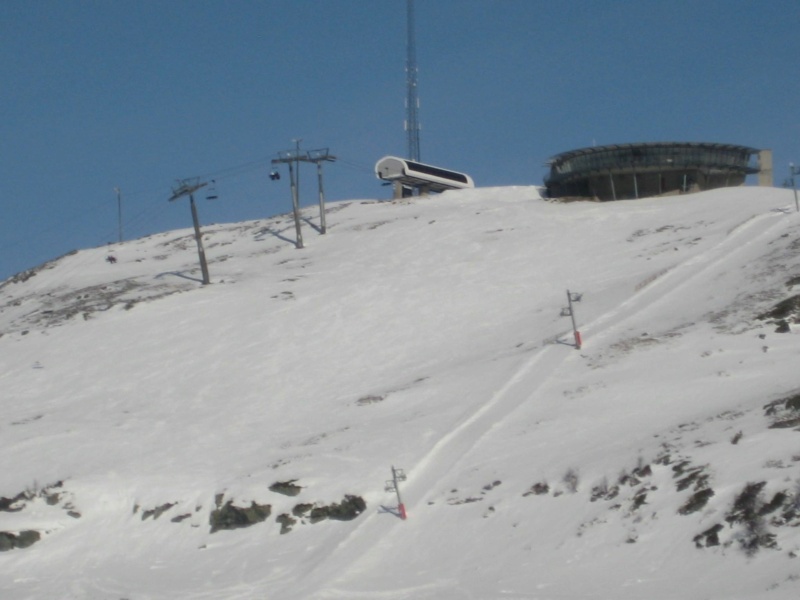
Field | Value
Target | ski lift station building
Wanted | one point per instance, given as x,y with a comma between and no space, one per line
628,171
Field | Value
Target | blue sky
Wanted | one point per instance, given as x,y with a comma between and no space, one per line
137,94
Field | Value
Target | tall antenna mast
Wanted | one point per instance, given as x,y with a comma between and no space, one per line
412,99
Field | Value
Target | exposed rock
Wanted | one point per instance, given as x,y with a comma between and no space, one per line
7,504
538,489
745,507
24,539
286,521
234,517
347,510
784,413
364,400
6,541
783,310
746,511
180,518
710,537
696,501
457,502
158,511
490,486
27,538
301,510
287,488
604,492
774,504
694,477
639,500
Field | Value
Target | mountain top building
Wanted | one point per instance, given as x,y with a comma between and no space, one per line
629,171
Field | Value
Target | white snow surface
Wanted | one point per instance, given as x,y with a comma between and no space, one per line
424,334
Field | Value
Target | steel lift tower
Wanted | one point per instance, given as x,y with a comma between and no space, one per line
412,98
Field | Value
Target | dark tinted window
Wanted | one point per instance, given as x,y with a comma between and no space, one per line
437,172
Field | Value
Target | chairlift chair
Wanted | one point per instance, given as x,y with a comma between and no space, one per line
212,191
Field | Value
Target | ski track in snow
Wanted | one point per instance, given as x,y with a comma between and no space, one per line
681,275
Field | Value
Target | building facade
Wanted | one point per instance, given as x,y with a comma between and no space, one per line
628,171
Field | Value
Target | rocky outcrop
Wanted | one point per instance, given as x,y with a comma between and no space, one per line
23,539
229,516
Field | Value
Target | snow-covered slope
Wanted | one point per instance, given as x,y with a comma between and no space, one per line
424,334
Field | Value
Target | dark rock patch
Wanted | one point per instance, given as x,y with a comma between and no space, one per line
287,488
346,510
783,313
695,477
538,489
364,400
229,516
710,537
696,501
784,413
746,511
745,506
6,541
301,510
286,522
777,502
783,309
180,518
457,502
8,504
158,511
639,500
628,479
680,468
24,539
602,491
490,486
664,459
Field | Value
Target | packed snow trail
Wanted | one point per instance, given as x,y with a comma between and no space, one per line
369,541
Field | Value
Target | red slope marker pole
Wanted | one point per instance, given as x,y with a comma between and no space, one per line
394,486
570,298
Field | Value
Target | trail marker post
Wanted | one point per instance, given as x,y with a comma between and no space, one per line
393,486
569,311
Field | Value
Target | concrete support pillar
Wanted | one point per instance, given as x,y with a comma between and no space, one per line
765,168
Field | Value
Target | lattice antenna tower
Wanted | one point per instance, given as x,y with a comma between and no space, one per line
412,97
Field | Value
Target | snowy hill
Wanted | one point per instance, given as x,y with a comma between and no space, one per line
147,420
